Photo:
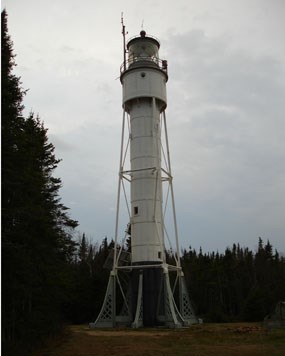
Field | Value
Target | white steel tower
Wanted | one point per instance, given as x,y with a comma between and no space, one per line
150,299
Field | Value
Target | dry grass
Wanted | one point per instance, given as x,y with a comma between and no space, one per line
199,340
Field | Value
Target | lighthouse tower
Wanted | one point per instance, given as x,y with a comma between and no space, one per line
151,297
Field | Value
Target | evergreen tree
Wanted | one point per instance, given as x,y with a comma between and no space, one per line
83,249
11,132
37,240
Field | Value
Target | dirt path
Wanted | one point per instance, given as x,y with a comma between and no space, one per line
200,340
119,332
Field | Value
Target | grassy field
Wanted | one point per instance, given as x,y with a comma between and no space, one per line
201,340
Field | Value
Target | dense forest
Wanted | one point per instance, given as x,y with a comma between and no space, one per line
237,285
50,278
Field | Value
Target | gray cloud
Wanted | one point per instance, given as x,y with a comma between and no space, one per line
232,135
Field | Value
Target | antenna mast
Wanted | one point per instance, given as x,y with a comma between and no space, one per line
124,40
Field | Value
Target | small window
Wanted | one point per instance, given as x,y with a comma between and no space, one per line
142,74
136,210
159,254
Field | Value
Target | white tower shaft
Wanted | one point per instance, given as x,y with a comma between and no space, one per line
146,195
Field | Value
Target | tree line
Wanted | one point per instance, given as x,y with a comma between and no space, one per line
236,285
49,277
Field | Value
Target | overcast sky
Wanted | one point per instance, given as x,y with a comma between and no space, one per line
225,114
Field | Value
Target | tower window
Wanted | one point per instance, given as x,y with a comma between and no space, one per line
159,254
136,210
143,74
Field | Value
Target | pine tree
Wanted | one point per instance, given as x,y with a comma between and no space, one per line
83,249
37,243
11,131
